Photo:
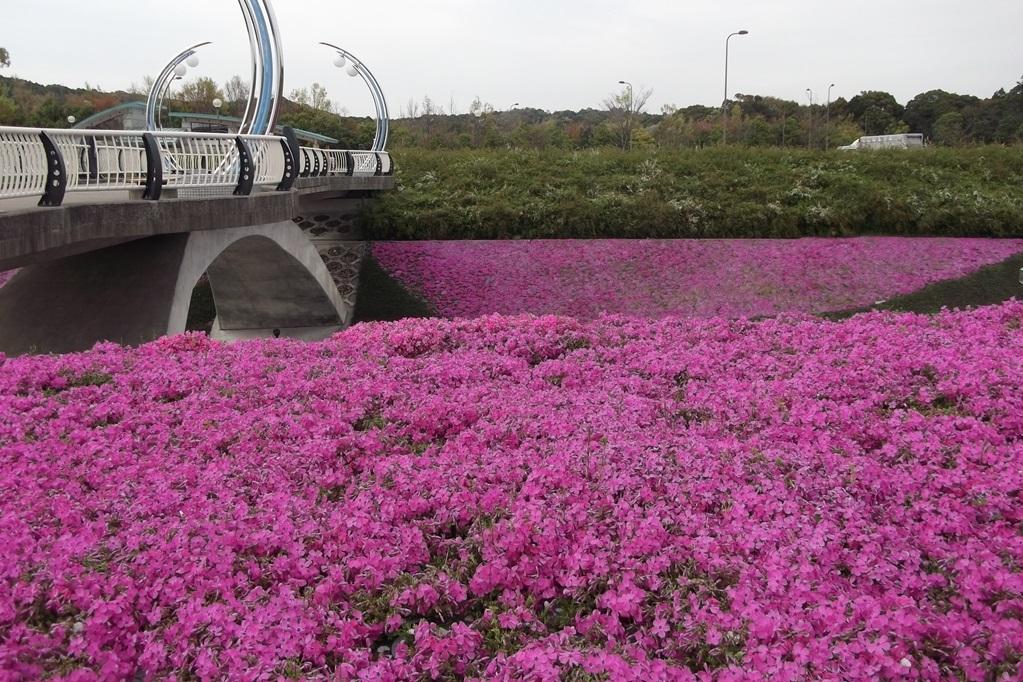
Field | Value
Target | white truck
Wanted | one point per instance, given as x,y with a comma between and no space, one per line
903,141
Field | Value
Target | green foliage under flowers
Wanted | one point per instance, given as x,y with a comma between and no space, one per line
719,192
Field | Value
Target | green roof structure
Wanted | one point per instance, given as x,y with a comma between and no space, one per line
126,111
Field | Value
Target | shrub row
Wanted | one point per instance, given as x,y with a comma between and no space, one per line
730,192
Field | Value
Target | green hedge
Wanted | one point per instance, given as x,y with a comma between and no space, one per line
730,192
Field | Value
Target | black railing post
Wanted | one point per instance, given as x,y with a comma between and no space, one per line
93,157
56,173
316,163
293,145
380,164
246,168
154,167
390,165
304,165
350,162
288,178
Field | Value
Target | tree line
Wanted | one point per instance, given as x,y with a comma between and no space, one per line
944,118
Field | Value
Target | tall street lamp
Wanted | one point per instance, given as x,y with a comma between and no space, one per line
809,116
357,69
724,103
827,120
628,143
175,70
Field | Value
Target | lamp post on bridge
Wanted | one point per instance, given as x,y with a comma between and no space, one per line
175,70
357,68
724,103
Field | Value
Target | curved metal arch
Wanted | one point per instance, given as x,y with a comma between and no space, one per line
253,81
266,91
268,67
154,102
379,102
278,91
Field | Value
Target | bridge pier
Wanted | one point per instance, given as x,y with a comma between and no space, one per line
264,278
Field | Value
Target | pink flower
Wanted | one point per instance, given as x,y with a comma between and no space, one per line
522,498
653,278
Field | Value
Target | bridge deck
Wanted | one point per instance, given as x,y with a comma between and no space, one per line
32,235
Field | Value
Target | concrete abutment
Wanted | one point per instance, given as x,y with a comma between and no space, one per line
264,278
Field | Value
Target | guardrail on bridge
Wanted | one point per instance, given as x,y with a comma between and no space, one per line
49,163
317,162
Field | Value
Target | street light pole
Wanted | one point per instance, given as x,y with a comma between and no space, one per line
175,70
827,120
628,143
724,102
809,131
356,69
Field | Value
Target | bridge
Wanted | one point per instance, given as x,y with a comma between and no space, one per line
111,230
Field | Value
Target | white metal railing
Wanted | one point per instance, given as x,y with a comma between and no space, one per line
315,162
214,159
207,160
268,156
50,163
365,163
101,160
326,162
335,161
22,163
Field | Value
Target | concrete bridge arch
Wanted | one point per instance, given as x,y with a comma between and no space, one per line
265,279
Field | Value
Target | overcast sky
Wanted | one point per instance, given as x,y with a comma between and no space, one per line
549,54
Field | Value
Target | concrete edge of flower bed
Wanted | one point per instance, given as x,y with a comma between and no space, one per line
383,298
991,284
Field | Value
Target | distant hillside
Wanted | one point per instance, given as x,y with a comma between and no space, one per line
24,103
944,118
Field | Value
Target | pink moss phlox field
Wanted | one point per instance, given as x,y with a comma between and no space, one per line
522,498
652,278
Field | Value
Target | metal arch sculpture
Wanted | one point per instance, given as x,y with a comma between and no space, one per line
263,105
154,102
379,102
266,90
